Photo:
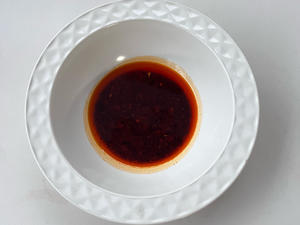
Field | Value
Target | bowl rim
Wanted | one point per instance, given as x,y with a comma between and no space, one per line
102,203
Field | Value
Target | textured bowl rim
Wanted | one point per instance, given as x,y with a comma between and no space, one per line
115,207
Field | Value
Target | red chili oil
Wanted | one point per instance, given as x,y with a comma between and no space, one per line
143,113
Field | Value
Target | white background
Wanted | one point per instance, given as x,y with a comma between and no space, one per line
268,190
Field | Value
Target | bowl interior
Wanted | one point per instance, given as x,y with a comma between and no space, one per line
98,54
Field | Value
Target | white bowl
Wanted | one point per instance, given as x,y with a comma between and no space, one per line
83,52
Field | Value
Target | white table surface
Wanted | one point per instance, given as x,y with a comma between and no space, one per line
268,190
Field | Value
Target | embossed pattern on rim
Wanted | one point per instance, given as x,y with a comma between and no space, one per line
114,207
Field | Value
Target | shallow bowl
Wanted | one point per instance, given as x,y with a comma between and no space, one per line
83,52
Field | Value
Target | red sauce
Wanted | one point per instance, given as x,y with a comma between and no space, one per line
142,113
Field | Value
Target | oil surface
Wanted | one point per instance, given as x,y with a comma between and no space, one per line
142,113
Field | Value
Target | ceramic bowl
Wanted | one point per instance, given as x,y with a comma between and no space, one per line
83,52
